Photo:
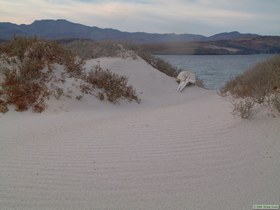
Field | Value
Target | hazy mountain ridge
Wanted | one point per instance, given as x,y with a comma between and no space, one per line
63,29
222,43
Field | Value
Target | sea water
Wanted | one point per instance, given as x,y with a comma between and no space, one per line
215,70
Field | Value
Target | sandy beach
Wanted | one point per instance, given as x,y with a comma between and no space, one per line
172,151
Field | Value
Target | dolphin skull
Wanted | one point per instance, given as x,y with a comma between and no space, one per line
184,78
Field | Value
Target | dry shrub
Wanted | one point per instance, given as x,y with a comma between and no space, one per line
3,106
101,96
42,53
79,97
114,86
158,63
21,92
87,49
50,52
58,92
243,108
276,101
17,46
259,83
199,82
39,107
31,70
26,86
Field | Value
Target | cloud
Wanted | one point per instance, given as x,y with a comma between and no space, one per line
162,16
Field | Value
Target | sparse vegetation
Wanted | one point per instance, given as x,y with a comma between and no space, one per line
87,49
90,49
32,80
199,82
154,61
3,106
113,86
79,97
261,84
276,101
23,92
243,108
25,86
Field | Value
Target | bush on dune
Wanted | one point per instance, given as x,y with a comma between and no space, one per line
23,92
25,86
113,86
261,84
26,83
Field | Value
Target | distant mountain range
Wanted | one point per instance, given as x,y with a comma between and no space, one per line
63,29
222,43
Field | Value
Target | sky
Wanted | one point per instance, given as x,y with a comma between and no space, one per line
205,17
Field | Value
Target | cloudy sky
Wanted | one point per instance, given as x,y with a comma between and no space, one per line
206,17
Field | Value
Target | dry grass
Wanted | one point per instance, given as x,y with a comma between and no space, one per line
261,83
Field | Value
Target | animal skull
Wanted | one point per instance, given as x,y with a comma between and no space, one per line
184,78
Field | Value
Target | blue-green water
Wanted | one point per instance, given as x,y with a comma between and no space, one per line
215,70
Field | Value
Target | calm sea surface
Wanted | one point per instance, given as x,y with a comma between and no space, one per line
215,70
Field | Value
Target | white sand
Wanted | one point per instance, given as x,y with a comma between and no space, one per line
172,151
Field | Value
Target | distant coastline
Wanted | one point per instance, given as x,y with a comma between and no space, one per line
257,45
226,43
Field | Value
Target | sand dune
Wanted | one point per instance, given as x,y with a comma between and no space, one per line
172,151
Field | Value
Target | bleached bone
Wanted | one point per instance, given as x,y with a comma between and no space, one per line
184,78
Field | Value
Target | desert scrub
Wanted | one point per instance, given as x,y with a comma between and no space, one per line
113,86
157,63
90,49
87,49
23,93
41,53
199,82
3,106
261,83
26,84
243,108
17,46
30,81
